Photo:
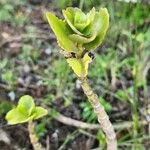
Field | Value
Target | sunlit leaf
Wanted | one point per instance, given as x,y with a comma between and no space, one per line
61,32
80,66
102,24
40,112
26,105
80,39
15,117
87,30
69,14
25,111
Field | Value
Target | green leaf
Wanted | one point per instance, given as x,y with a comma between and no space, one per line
79,17
26,105
80,39
25,111
61,32
82,26
91,14
81,21
40,112
15,117
69,14
101,23
80,66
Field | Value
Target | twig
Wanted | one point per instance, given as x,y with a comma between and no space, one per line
102,116
34,140
83,125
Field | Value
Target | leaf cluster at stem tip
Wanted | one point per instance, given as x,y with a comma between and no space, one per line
25,111
79,33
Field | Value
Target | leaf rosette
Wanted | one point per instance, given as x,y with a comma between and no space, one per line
79,29
79,33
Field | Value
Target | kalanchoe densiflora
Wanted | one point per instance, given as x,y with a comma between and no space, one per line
80,33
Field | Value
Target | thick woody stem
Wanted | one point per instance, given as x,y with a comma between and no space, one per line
103,118
33,138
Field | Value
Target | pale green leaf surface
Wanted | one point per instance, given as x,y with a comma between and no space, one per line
80,39
91,14
26,105
79,17
96,26
76,65
83,25
40,112
25,111
61,32
80,66
15,117
103,26
68,19
86,60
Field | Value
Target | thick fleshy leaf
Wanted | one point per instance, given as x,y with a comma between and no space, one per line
61,32
26,105
25,111
86,60
91,14
84,23
81,21
77,66
79,17
80,66
82,26
95,26
40,112
15,117
80,39
69,14
102,25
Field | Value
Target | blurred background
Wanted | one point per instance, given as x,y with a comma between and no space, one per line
30,63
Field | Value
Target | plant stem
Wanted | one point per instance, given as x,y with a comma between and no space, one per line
33,138
103,118
135,118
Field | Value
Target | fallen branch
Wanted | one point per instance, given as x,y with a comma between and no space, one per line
80,124
83,125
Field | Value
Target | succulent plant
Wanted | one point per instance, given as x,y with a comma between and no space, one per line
79,29
25,111
79,33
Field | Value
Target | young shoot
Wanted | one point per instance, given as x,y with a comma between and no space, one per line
27,111
78,34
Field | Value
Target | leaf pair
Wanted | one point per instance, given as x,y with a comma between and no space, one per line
25,111
80,66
